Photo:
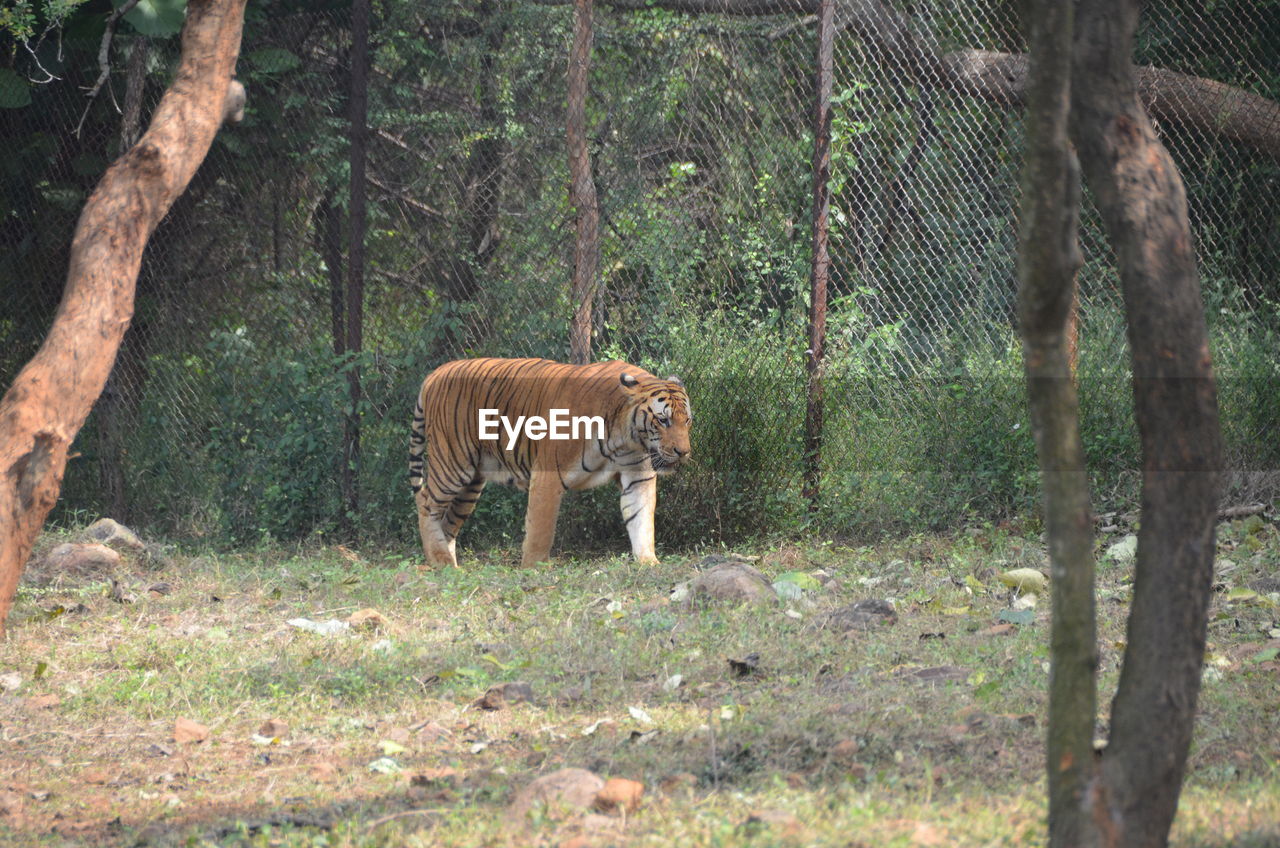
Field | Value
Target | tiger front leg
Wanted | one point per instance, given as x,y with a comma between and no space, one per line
639,502
545,492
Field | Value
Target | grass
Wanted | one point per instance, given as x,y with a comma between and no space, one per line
832,740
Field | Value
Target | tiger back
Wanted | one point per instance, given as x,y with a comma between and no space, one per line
546,427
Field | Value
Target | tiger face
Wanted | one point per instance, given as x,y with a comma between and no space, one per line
662,419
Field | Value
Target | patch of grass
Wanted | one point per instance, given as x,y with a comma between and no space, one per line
833,739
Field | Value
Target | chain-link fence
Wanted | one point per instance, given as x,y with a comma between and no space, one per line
224,418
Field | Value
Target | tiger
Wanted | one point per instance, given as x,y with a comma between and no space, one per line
642,427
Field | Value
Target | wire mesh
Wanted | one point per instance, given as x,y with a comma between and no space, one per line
223,417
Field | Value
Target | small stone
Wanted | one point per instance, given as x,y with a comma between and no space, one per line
566,790
114,535
732,581
81,559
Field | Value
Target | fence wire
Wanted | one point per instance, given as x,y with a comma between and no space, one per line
223,417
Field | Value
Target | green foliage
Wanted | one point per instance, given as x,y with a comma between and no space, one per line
156,18
273,446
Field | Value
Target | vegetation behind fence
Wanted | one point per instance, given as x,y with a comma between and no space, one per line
226,415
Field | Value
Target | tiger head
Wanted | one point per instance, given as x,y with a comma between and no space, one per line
661,416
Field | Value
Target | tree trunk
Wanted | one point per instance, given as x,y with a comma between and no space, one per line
821,271
1140,196
355,262
586,249
51,397
1048,258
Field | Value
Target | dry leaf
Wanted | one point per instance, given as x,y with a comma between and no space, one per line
619,794
368,619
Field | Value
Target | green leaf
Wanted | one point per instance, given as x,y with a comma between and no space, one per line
156,18
1025,580
14,91
985,689
273,60
1266,655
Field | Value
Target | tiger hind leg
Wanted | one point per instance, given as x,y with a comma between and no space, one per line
442,510
545,493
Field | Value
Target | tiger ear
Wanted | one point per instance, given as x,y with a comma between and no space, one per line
674,379
628,381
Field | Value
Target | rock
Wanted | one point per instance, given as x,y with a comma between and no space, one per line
732,581
569,790
935,675
866,614
1123,552
114,535
81,559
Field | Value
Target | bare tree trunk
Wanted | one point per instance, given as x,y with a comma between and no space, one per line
51,397
355,261
586,250
821,271
1048,258
1140,196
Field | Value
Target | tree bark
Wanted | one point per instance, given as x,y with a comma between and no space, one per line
821,270
1001,78
359,104
51,397
1048,258
1143,206
586,250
